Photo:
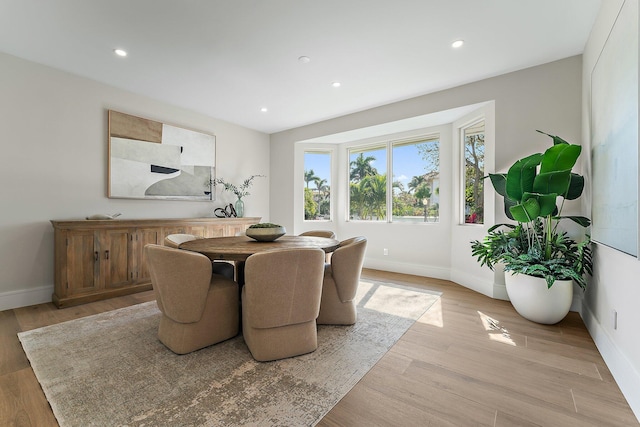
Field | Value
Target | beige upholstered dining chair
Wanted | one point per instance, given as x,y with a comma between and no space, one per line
280,302
341,279
198,308
320,233
219,267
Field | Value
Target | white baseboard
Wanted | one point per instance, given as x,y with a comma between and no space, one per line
25,297
400,267
472,282
627,378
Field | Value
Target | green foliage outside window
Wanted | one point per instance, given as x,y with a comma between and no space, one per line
474,174
412,200
317,197
310,205
368,187
418,202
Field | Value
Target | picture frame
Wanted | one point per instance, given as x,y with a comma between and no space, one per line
614,138
149,159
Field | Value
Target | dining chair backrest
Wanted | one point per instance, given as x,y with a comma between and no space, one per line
320,233
219,267
283,286
180,281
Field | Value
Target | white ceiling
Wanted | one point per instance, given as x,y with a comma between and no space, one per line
229,58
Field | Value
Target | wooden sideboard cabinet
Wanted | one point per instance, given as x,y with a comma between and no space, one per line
96,260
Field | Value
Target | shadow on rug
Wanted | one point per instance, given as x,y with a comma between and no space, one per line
110,369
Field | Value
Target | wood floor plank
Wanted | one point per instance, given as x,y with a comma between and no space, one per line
515,401
22,402
37,316
497,374
525,354
361,407
602,407
591,354
509,420
431,399
12,358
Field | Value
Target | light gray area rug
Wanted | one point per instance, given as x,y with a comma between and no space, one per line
111,370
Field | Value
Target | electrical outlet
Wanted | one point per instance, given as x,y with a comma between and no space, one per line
614,319
385,251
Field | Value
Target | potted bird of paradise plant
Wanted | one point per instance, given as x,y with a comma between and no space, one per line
541,261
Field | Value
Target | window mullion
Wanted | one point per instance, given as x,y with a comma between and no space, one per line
389,182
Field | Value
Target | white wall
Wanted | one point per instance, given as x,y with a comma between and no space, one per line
471,274
547,97
53,131
615,285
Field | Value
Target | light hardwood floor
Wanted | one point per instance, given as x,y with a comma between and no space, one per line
469,361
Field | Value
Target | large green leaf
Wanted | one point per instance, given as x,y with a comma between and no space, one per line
508,204
576,185
556,139
552,182
499,181
547,202
496,226
527,211
560,157
583,221
521,175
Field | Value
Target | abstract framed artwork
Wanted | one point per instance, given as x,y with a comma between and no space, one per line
153,160
614,136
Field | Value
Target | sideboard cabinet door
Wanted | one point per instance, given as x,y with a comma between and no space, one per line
82,272
116,252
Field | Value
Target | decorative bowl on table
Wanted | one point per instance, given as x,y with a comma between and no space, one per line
265,232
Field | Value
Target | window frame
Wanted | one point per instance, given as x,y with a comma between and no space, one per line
430,137
463,166
332,196
388,143
374,146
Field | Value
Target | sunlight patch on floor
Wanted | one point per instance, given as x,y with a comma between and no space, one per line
496,332
433,316
394,299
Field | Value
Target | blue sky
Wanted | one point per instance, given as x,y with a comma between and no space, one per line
321,165
407,163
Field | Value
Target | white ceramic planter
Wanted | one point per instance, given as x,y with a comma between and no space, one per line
534,301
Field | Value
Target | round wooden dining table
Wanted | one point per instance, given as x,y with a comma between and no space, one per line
239,248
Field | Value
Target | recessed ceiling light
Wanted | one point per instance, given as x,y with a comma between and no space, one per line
264,109
120,52
456,44
336,84
304,59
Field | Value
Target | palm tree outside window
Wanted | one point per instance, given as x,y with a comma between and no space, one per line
368,184
409,192
317,188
